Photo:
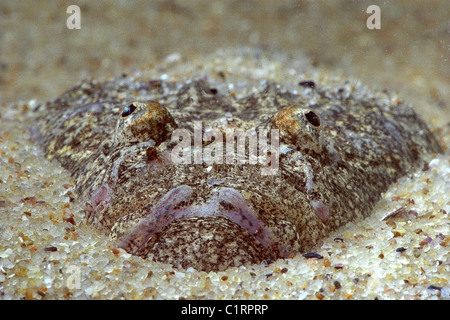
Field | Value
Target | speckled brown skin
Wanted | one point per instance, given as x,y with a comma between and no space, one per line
341,147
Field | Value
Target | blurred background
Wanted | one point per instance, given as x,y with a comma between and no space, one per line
40,57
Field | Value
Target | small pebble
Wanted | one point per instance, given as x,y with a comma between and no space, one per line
433,287
42,294
312,255
307,84
337,284
319,296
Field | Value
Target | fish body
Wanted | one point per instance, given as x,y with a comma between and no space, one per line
157,164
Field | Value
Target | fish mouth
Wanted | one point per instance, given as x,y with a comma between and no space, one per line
222,232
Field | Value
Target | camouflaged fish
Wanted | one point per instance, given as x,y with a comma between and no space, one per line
339,149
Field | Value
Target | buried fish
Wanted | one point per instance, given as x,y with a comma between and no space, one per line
329,153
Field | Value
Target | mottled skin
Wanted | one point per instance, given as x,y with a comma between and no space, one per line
338,154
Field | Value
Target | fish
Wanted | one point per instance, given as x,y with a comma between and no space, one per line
189,173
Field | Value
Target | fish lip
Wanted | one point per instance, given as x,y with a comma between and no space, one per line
225,202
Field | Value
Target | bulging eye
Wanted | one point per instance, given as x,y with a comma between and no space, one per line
144,121
128,110
299,127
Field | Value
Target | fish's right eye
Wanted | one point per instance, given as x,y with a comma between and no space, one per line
128,110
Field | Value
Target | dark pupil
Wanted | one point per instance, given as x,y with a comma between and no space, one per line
313,118
128,110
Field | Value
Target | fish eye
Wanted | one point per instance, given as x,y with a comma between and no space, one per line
128,110
313,118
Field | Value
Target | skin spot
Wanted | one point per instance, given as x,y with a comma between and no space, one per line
320,210
152,153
